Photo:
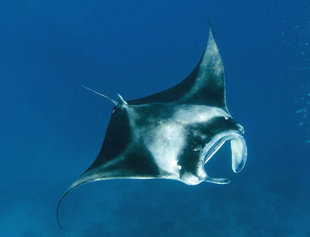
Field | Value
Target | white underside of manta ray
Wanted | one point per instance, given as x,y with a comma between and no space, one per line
171,134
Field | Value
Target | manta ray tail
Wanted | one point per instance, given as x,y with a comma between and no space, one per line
98,93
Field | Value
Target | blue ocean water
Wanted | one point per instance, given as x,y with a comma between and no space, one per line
51,129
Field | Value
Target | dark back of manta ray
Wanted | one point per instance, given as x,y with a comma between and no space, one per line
114,144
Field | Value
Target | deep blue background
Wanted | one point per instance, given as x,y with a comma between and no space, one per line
51,128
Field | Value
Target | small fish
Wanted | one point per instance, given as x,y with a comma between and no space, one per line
303,110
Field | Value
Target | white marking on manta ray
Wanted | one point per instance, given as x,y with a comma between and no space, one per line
166,140
189,114
165,151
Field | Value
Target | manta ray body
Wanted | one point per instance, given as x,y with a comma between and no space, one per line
171,134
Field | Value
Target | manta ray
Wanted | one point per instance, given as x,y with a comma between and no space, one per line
171,134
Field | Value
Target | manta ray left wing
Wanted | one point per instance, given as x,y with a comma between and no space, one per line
171,134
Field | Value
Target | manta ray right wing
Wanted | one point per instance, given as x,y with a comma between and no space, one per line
205,85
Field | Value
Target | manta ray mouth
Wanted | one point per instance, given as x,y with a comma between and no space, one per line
238,152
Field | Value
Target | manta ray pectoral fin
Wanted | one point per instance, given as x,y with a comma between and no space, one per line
133,164
205,85
73,186
85,178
